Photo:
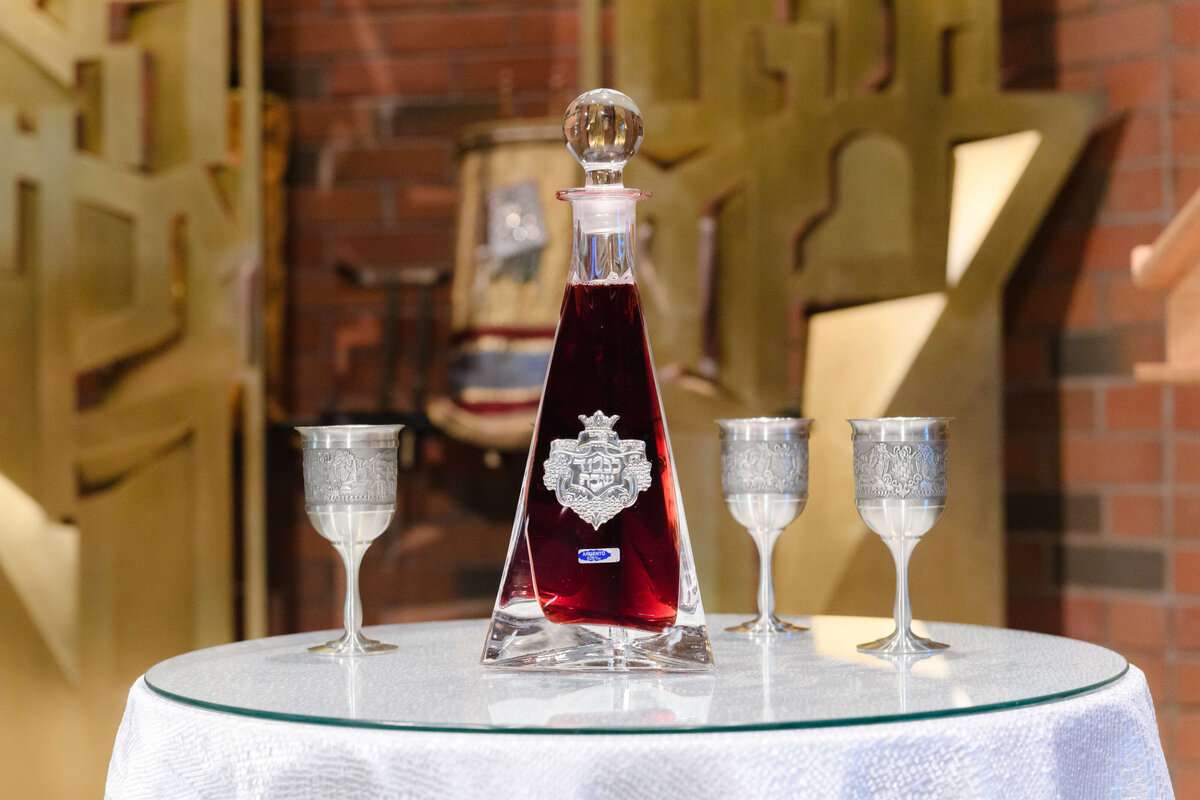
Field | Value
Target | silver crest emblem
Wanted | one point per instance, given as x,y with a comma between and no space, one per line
597,475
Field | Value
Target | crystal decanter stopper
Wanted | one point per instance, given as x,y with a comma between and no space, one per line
600,573
603,130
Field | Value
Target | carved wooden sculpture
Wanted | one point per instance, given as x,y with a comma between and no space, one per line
129,235
819,246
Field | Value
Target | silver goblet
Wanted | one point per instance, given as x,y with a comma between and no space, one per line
900,492
350,497
764,473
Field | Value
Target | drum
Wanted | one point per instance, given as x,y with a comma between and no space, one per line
512,245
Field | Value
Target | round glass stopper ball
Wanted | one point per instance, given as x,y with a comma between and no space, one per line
603,129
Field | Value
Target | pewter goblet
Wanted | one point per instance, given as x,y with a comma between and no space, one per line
764,473
900,492
350,497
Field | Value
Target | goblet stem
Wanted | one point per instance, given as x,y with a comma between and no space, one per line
766,590
352,556
766,622
902,547
352,641
902,640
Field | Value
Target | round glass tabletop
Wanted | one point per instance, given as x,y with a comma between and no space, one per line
813,679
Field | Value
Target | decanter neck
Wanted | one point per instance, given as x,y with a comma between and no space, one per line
604,234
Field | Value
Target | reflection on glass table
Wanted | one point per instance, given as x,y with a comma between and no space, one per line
434,681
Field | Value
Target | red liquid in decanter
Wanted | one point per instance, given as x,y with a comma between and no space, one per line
625,572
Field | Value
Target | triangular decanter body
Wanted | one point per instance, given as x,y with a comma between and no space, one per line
599,574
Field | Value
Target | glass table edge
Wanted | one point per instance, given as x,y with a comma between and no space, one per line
840,722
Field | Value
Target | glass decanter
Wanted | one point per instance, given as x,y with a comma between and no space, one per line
599,574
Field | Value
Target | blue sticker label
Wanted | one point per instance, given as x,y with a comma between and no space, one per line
600,555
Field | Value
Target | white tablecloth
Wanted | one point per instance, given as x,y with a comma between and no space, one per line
1103,744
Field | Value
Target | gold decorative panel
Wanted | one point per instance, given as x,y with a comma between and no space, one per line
129,243
803,160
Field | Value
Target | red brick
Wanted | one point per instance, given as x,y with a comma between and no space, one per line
1187,462
315,290
1035,611
1137,624
1187,737
340,204
1152,663
359,34
308,332
1134,83
357,5
1104,247
549,27
395,248
318,122
1077,409
277,7
1185,133
1185,78
1186,780
426,202
1043,409
1119,139
1025,54
1106,35
1025,357
305,249
450,31
1085,618
1026,10
1130,304
1076,79
1053,305
1187,680
388,76
1187,571
1141,137
1187,517
1132,190
1187,183
398,161
1096,461
1185,23
1187,406
1023,460
526,72
1026,563
1137,515
1187,627
1133,408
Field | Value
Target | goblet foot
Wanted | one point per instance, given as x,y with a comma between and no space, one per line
352,644
902,642
770,626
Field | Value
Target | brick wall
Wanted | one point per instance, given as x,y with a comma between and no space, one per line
1104,473
379,90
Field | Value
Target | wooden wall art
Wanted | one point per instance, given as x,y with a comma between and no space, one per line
130,391
841,190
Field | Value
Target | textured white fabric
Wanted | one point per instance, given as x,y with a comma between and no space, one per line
1099,745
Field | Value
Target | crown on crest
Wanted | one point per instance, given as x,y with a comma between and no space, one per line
598,422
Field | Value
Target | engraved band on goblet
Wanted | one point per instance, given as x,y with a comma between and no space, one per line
764,476
350,496
900,493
